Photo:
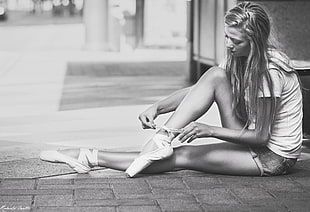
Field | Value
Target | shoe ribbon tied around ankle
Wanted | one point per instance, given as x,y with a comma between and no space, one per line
170,131
163,150
86,160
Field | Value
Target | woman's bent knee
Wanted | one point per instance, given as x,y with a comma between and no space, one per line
183,155
215,75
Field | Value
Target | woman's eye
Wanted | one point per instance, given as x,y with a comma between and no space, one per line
236,42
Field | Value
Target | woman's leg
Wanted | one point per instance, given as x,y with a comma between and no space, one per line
221,158
109,159
213,86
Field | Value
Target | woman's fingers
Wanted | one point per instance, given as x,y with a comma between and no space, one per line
193,137
151,124
147,122
188,137
189,133
144,122
147,118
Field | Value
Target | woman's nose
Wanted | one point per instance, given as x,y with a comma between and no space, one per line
229,44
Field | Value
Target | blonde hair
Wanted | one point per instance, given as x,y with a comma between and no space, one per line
246,74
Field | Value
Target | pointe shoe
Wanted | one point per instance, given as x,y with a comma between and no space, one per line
82,165
163,151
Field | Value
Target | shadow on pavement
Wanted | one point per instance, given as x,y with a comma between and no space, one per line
90,85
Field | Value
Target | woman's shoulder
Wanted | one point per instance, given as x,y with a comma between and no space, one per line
277,60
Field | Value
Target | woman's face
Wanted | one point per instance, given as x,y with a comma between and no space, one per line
236,42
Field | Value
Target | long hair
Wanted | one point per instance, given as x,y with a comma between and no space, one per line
246,74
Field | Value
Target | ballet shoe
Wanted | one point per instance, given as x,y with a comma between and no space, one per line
163,150
83,164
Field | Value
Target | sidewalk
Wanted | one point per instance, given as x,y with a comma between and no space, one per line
108,190
48,104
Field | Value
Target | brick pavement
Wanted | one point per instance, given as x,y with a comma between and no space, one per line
110,190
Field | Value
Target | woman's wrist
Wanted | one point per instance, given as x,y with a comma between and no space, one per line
157,108
213,131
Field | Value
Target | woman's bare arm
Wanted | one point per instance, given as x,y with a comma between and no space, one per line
166,105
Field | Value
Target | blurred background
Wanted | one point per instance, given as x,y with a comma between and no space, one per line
124,24
71,41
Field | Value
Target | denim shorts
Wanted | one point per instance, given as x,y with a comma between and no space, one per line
271,164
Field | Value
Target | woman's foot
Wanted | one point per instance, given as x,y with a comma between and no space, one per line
81,160
161,149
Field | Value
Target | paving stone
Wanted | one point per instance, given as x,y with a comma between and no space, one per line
53,200
91,180
284,195
177,201
166,175
74,209
282,185
159,195
15,198
242,208
108,173
240,181
300,172
203,191
84,194
268,208
217,196
305,181
180,207
135,181
95,209
116,202
201,182
226,208
138,209
18,192
176,183
266,205
172,192
31,168
302,165
175,174
192,173
55,182
17,184
297,205
72,186
132,188
257,194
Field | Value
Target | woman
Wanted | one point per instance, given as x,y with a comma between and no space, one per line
260,104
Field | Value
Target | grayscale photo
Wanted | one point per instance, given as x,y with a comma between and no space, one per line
154,105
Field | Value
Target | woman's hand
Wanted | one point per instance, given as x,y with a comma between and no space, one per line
195,130
148,116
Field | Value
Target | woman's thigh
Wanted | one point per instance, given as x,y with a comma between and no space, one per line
224,97
220,158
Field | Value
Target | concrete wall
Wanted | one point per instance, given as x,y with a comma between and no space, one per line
291,23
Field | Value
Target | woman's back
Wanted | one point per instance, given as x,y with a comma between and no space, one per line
286,132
